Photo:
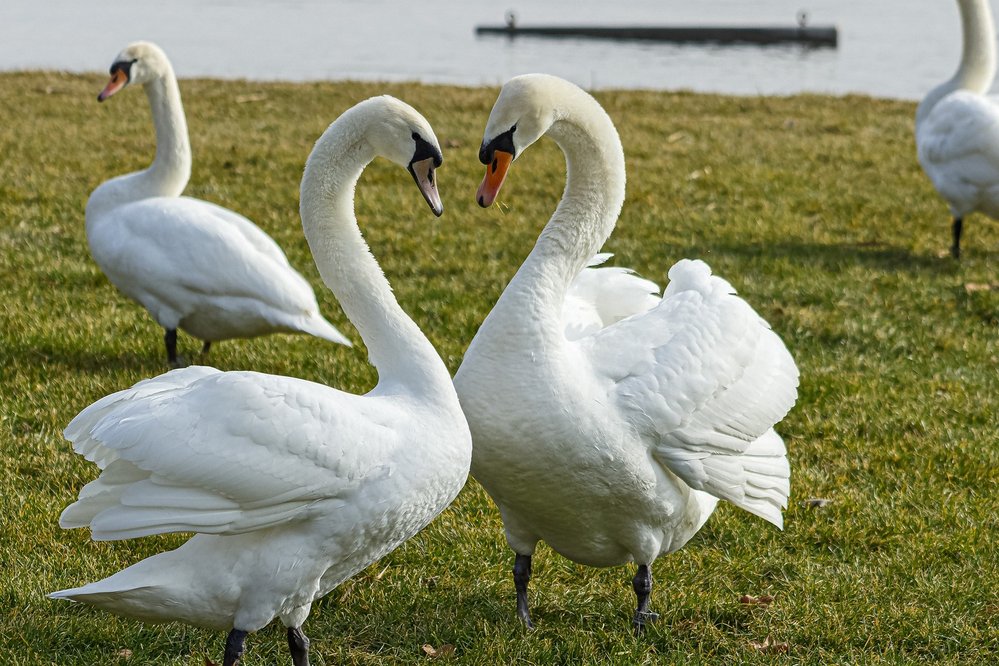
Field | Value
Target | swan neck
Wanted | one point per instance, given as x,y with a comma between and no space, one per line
590,204
167,176
977,69
978,53
171,169
396,346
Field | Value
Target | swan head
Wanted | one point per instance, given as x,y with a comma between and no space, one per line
139,62
398,132
525,110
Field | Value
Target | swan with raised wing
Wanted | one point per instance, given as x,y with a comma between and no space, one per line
612,439
957,126
192,264
291,487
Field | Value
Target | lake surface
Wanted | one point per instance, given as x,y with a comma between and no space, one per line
887,48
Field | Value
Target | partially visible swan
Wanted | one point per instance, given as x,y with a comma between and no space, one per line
192,264
957,126
291,486
614,442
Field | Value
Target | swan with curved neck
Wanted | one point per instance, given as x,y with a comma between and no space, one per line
613,441
191,264
957,126
291,487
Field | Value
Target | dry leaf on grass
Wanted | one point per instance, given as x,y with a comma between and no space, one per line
770,646
762,600
972,287
124,653
445,650
253,97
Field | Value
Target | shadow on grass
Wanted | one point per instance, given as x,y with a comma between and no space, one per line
984,304
836,256
20,353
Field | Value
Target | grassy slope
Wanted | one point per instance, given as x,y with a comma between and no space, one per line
813,207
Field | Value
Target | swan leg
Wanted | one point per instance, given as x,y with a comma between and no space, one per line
205,347
170,338
298,643
521,576
234,647
642,584
955,249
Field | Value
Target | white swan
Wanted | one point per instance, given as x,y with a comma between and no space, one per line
957,126
615,446
191,264
291,486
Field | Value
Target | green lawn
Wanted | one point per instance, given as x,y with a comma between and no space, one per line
813,207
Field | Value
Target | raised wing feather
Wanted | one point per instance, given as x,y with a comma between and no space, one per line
220,453
599,297
704,379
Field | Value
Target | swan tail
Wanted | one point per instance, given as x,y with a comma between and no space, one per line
140,601
124,592
319,327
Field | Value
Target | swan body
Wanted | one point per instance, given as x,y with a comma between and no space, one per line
612,436
957,126
192,264
290,487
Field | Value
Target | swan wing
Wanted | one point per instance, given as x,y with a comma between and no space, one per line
179,250
199,450
599,297
958,144
250,232
703,379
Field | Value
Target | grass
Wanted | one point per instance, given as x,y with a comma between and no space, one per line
813,207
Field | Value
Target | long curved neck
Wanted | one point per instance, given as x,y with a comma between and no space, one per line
587,212
171,169
978,55
167,176
396,346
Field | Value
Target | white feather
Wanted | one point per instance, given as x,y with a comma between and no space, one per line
290,486
192,264
608,421
957,126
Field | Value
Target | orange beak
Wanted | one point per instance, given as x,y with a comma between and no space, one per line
495,175
117,82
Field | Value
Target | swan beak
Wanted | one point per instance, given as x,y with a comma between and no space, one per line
495,175
118,80
423,174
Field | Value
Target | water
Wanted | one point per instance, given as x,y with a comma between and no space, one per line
888,48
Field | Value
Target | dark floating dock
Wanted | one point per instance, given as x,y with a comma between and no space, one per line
819,36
